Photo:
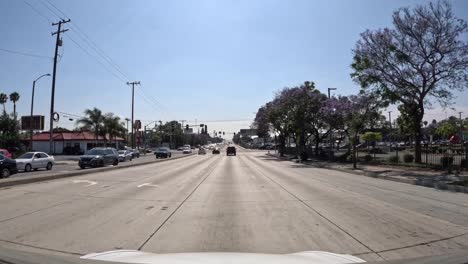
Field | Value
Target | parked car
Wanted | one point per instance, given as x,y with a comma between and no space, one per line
7,166
163,152
34,160
187,150
180,148
231,150
125,155
215,151
5,153
135,153
99,157
201,151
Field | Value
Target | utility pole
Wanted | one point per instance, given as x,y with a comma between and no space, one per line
133,108
58,43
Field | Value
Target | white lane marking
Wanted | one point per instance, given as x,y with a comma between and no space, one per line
147,184
90,183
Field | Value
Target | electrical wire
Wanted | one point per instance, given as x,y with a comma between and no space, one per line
37,11
26,54
117,71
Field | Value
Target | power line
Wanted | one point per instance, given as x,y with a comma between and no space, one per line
82,35
37,11
102,64
156,102
26,54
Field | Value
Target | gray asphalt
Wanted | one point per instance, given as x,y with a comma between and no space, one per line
244,203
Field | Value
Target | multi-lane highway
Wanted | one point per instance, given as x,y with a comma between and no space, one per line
245,203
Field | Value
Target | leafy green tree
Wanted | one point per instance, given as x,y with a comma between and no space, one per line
3,100
112,127
423,58
92,121
14,97
364,110
9,136
448,127
372,137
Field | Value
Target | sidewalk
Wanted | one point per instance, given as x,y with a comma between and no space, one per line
411,175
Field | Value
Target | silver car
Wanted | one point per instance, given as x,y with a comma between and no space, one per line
125,155
34,161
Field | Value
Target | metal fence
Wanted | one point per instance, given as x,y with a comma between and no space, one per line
451,156
432,156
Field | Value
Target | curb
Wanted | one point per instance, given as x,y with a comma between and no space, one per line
39,178
360,173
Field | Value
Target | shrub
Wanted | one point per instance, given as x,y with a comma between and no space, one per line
464,164
344,157
446,162
394,159
368,158
376,151
408,158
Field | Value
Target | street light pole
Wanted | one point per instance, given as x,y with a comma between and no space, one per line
32,107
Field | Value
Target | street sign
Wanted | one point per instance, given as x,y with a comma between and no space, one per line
37,122
137,124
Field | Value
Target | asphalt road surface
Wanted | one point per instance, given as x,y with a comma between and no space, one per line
70,163
244,203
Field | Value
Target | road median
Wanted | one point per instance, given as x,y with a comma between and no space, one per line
38,178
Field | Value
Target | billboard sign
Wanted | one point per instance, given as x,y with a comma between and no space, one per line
37,122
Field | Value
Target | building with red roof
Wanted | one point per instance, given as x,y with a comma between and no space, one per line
75,142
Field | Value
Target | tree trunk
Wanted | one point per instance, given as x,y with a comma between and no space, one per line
14,109
282,141
417,146
354,151
418,133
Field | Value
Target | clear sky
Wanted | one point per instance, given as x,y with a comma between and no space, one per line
205,60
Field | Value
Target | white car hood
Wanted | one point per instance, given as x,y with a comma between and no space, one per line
309,257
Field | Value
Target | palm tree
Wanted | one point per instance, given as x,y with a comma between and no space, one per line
3,100
14,97
93,121
112,126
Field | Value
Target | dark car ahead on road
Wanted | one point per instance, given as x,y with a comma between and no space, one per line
163,153
7,167
216,151
231,150
99,157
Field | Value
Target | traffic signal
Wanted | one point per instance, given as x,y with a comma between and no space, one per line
223,133
187,127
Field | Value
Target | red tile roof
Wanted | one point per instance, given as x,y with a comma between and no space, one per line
76,136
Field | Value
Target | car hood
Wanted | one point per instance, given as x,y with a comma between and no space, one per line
309,257
90,156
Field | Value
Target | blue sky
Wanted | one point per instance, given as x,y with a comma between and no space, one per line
204,60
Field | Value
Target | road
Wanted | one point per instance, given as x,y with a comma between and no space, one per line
70,163
245,203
